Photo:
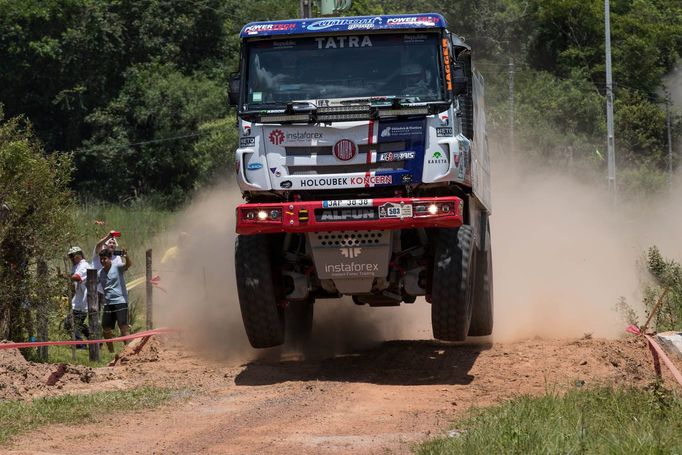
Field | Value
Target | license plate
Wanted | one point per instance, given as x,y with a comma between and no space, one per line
347,203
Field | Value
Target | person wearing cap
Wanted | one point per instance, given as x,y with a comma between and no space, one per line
109,242
79,302
111,278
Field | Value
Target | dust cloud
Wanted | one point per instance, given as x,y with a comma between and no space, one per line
201,296
562,258
564,253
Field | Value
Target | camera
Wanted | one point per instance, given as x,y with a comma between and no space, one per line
118,253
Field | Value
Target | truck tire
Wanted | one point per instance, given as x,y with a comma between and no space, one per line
299,320
482,316
452,288
258,292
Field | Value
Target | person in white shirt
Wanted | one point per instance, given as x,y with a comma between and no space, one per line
79,302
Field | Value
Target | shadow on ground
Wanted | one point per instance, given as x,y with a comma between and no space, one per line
391,363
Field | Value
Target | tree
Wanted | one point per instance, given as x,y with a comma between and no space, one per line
34,221
143,140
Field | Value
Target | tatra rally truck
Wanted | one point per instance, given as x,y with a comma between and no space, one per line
364,166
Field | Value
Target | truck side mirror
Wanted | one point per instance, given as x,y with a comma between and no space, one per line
459,85
459,80
233,93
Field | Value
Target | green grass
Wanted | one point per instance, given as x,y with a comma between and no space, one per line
581,421
62,354
20,416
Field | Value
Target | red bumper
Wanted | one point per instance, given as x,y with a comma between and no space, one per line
350,215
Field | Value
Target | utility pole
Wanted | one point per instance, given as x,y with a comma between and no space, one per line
611,144
306,9
511,105
670,140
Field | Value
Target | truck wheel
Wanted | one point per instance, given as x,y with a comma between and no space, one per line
258,292
452,287
299,320
482,316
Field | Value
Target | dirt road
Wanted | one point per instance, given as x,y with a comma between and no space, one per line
375,401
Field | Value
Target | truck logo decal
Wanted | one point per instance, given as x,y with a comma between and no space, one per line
254,166
286,184
341,42
352,267
369,180
437,158
276,137
247,141
396,156
402,131
345,150
350,252
445,131
345,214
350,23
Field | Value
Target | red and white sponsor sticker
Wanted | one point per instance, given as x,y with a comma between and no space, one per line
345,150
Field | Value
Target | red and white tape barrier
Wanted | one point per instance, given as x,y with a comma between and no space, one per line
657,352
35,344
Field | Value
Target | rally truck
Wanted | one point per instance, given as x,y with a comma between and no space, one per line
364,167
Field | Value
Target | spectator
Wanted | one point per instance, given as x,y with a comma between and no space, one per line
109,242
172,254
112,279
79,302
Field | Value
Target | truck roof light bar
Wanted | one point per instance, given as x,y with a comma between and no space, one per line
343,109
342,117
405,111
285,118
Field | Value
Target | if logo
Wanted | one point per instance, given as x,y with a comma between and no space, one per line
351,252
276,137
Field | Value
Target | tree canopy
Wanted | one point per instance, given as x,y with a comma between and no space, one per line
136,89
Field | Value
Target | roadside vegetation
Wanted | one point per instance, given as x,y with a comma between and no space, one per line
580,421
114,114
17,417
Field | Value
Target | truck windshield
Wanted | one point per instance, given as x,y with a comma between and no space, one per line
406,66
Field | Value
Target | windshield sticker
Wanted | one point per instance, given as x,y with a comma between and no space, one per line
409,39
257,97
342,42
350,24
345,203
284,44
